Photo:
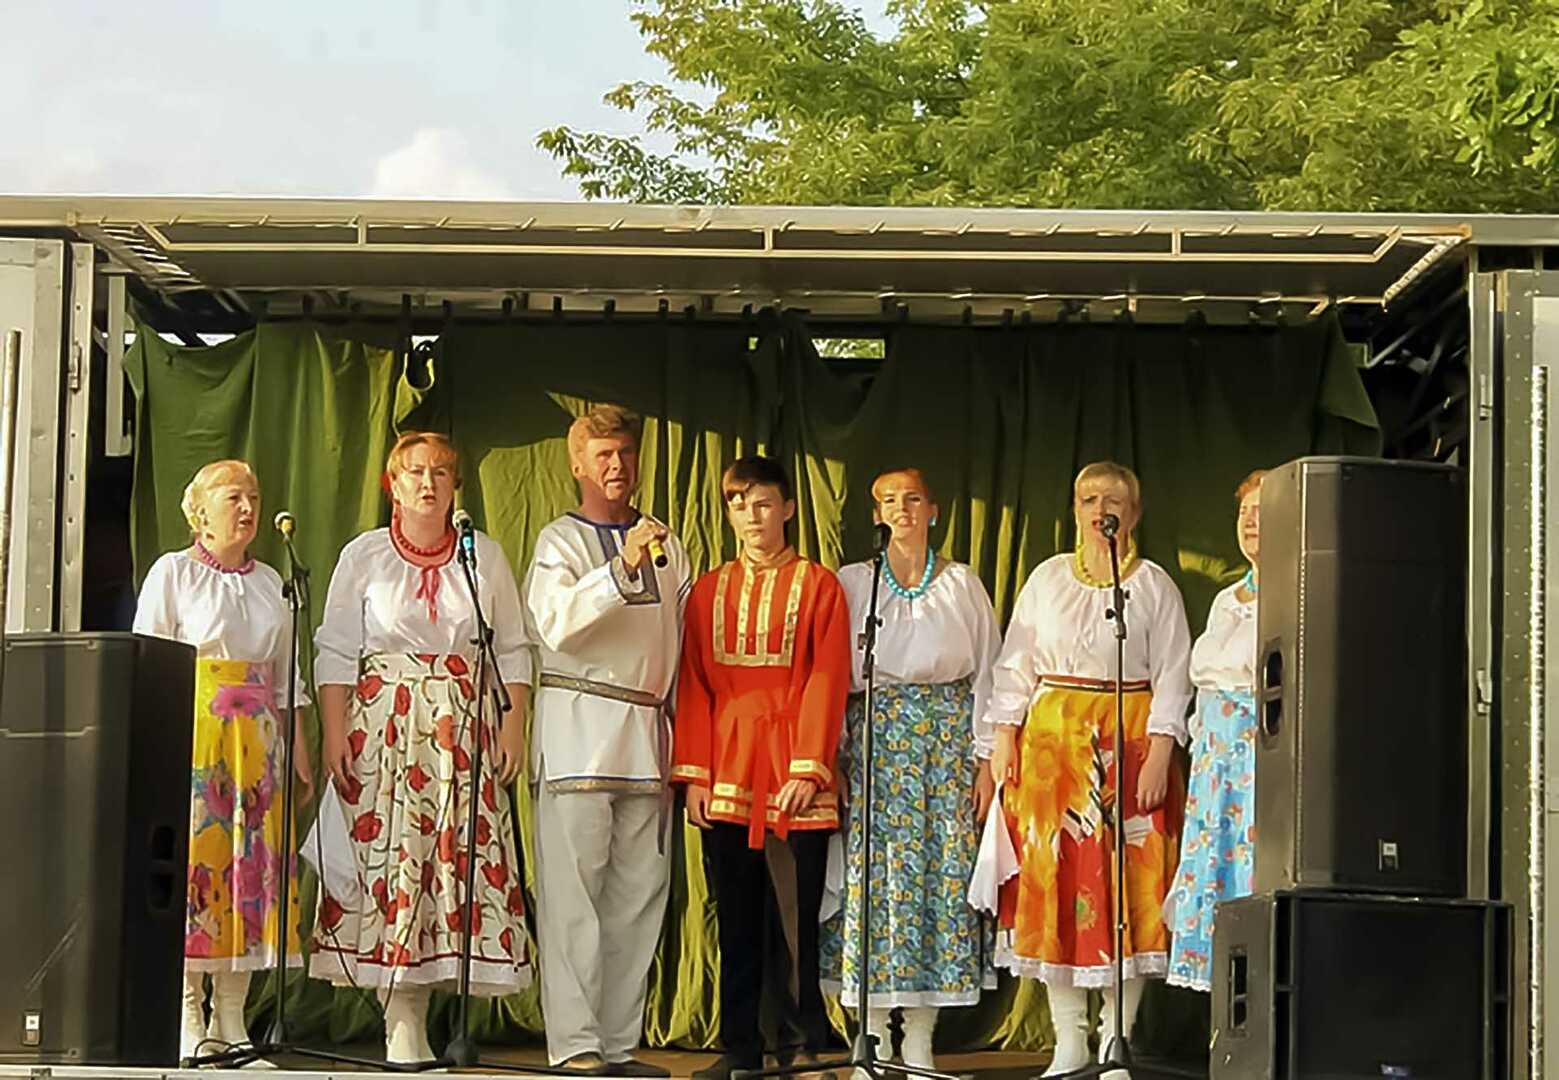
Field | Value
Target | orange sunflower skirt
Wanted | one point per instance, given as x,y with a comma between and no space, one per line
1057,914
411,728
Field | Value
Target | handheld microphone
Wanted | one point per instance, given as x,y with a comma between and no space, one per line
1109,525
466,528
285,524
881,535
657,551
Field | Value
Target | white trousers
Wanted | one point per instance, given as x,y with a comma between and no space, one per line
600,897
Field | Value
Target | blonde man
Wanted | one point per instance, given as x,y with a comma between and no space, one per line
609,620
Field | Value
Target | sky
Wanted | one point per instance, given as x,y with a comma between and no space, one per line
394,98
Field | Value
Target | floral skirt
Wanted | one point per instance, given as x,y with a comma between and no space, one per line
928,946
1057,915
411,730
1218,850
235,823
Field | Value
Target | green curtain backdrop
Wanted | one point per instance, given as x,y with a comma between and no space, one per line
999,420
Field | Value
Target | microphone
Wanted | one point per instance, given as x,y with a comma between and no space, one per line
1109,525
467,530
881,535
285,524
657,551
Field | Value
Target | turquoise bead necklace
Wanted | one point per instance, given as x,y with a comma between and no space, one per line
925,577
1250,582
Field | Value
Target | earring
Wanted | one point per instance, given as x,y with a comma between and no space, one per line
933,521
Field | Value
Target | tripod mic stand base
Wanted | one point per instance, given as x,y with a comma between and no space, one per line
462,1052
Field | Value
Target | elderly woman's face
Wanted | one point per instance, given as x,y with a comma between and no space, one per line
230,512
1100,495
1247,525
903,504
425,484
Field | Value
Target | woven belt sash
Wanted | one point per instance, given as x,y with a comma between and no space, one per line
552,680
556,681
1095,686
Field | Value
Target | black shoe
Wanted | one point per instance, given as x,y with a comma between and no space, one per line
724,1066
634,1067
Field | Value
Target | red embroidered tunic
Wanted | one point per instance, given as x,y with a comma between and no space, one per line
761,692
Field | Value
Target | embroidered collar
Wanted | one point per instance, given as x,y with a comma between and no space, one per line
619,526
784,558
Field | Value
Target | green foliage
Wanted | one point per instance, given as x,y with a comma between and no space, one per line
1273,104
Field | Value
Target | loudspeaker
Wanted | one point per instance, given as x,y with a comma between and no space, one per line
95,736
1324,985
1361,760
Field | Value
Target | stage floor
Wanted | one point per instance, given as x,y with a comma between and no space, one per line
988,1065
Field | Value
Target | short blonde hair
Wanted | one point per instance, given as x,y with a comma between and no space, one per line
1248,485
603,422
411,440
913,473
207,477
1110,470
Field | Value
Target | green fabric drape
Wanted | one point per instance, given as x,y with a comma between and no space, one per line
999,420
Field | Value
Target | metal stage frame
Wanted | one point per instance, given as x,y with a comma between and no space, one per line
1456,318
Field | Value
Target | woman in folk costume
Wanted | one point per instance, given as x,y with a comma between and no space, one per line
1053,704
213,596
1219,844
931,779
399,706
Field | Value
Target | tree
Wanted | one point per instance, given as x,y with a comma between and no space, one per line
1272,104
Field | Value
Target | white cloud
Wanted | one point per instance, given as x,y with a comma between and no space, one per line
436,163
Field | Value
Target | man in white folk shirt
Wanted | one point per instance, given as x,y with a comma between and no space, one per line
610,626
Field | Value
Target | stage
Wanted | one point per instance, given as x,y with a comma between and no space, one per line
987,1065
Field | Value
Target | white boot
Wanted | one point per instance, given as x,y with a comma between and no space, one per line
1069,1014
406,1025
1132,991
229,992
918,1027
877,1021
192,1021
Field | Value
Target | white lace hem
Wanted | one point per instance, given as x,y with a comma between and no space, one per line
1201,985
910,999
489,978
216,965
1153,965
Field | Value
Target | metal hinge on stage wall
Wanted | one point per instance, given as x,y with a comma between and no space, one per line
1485,690
73,368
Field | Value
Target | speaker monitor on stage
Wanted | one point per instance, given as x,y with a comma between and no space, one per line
94,788
1361,763
1317,985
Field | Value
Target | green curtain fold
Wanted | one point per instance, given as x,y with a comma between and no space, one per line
998,419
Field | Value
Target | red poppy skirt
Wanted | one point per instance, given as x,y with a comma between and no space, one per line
410,729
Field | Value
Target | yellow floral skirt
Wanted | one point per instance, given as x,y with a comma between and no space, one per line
235,823
1057,915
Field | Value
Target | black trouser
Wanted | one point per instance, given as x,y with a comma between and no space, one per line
747,899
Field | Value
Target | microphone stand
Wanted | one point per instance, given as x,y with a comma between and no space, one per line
1117,1050
461,1052
863,1053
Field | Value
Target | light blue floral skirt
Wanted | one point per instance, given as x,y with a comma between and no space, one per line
928,946
1218,847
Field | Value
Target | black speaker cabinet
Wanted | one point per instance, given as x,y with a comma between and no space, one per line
1361,762
1326,986
94,790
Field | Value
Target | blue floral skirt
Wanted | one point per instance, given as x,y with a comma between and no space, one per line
929,947
1217,850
